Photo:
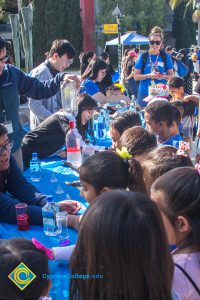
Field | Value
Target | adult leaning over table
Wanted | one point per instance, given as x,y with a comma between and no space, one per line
14,188
14,82
94,74
153,66
49,136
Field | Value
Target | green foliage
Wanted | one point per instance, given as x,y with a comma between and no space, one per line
144,13
184,30
54,19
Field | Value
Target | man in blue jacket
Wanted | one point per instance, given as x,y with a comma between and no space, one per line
14,188
14,82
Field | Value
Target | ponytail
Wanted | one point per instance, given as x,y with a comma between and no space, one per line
136,181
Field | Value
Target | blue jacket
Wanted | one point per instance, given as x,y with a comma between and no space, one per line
14,82
15,189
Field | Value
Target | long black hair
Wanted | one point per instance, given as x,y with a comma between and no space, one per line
85,102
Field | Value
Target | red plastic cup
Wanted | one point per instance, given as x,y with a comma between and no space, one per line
22,216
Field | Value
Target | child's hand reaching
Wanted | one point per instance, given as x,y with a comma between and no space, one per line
70,206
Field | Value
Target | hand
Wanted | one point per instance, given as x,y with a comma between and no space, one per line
193,98
161,76
74,221
70,206
70,77
154,75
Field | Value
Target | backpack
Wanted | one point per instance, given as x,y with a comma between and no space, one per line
182,69
145,56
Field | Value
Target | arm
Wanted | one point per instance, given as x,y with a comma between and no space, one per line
34,88
21,189
109,99
8,212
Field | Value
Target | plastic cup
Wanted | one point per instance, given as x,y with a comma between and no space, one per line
63,233
22,216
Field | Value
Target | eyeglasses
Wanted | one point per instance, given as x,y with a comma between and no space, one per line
6,147
154,42
69,61
4,59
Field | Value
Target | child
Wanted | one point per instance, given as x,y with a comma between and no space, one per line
177,194
159,117
122,243
12,253
103,172
122,122
138,142
160,161
176,89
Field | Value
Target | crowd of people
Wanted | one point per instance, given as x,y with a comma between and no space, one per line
140,232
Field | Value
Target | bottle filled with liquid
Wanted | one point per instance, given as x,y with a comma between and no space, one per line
35,168
102,131
49,212
73,146
87,150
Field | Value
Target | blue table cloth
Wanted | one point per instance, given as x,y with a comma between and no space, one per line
54,175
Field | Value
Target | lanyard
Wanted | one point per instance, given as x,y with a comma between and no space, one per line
155,64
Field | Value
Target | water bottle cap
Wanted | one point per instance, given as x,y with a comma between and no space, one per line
34,155
49,198
71,124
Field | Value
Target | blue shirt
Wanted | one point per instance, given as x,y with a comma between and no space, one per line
174,141
144,84
90,87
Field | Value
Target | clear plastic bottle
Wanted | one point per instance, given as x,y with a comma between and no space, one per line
87,150
73,146
35,168
49,211
102,131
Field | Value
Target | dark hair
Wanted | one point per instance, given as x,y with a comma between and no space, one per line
168,48
3,130
178,105
175,82
160,111
181,188
85,102
177,115
94,68
61,47
113,88
126,120
2,43
12,253
87,55
104,55
122,240
138,140
160,161
108,169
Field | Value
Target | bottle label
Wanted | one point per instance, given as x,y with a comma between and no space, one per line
50,222
35,167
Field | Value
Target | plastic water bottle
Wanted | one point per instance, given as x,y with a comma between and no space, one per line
49,211
35,168
73,146
102,131
87,150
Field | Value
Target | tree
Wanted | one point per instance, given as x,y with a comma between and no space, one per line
55,19
184,30
143,14
195,4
